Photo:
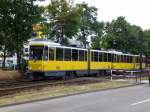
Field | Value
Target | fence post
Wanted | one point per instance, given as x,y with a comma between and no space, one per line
111,74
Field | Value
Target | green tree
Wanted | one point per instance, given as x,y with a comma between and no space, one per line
134,39
25,13
6,40
116,34
120,35
146,44
87,23
64,20
17,17
96,40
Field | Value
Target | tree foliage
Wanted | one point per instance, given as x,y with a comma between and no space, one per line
98,36
117,33
64,20
89,25
16,19
146,44
121,35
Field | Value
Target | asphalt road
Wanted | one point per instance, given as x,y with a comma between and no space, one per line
130,99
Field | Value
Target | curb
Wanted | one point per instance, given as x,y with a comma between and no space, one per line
67,95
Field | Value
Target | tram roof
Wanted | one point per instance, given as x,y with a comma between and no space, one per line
51,44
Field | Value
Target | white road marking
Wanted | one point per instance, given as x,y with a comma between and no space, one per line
140,102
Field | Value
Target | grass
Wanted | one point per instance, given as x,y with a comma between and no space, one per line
145,78
9,75
49,92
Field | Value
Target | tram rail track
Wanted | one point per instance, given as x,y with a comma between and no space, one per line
37,85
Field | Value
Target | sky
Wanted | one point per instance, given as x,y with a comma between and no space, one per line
135,11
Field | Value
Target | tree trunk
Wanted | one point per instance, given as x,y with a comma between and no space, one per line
4,58
84,38
18,60
17,45
18,54
62,34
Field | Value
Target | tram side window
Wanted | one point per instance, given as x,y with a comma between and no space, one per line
114,59
85,59
105,57
137,59
125,59
45,56
100,57
131,59
117,58
109,57
140,59
144,60
81,55
96,56
59,54
74,55
128,59
92,56
122,58
51,54
67,55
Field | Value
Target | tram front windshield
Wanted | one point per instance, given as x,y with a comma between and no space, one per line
36,52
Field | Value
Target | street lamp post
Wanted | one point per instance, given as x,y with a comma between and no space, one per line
141,70
141,52
88,58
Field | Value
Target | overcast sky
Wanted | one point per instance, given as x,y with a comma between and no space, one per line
136,11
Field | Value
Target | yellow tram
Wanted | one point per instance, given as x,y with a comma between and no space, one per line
49,59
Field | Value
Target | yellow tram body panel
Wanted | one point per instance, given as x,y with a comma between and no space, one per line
35,65
137,65
143,65
100,65
125,66
64,66
57,65
71,65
